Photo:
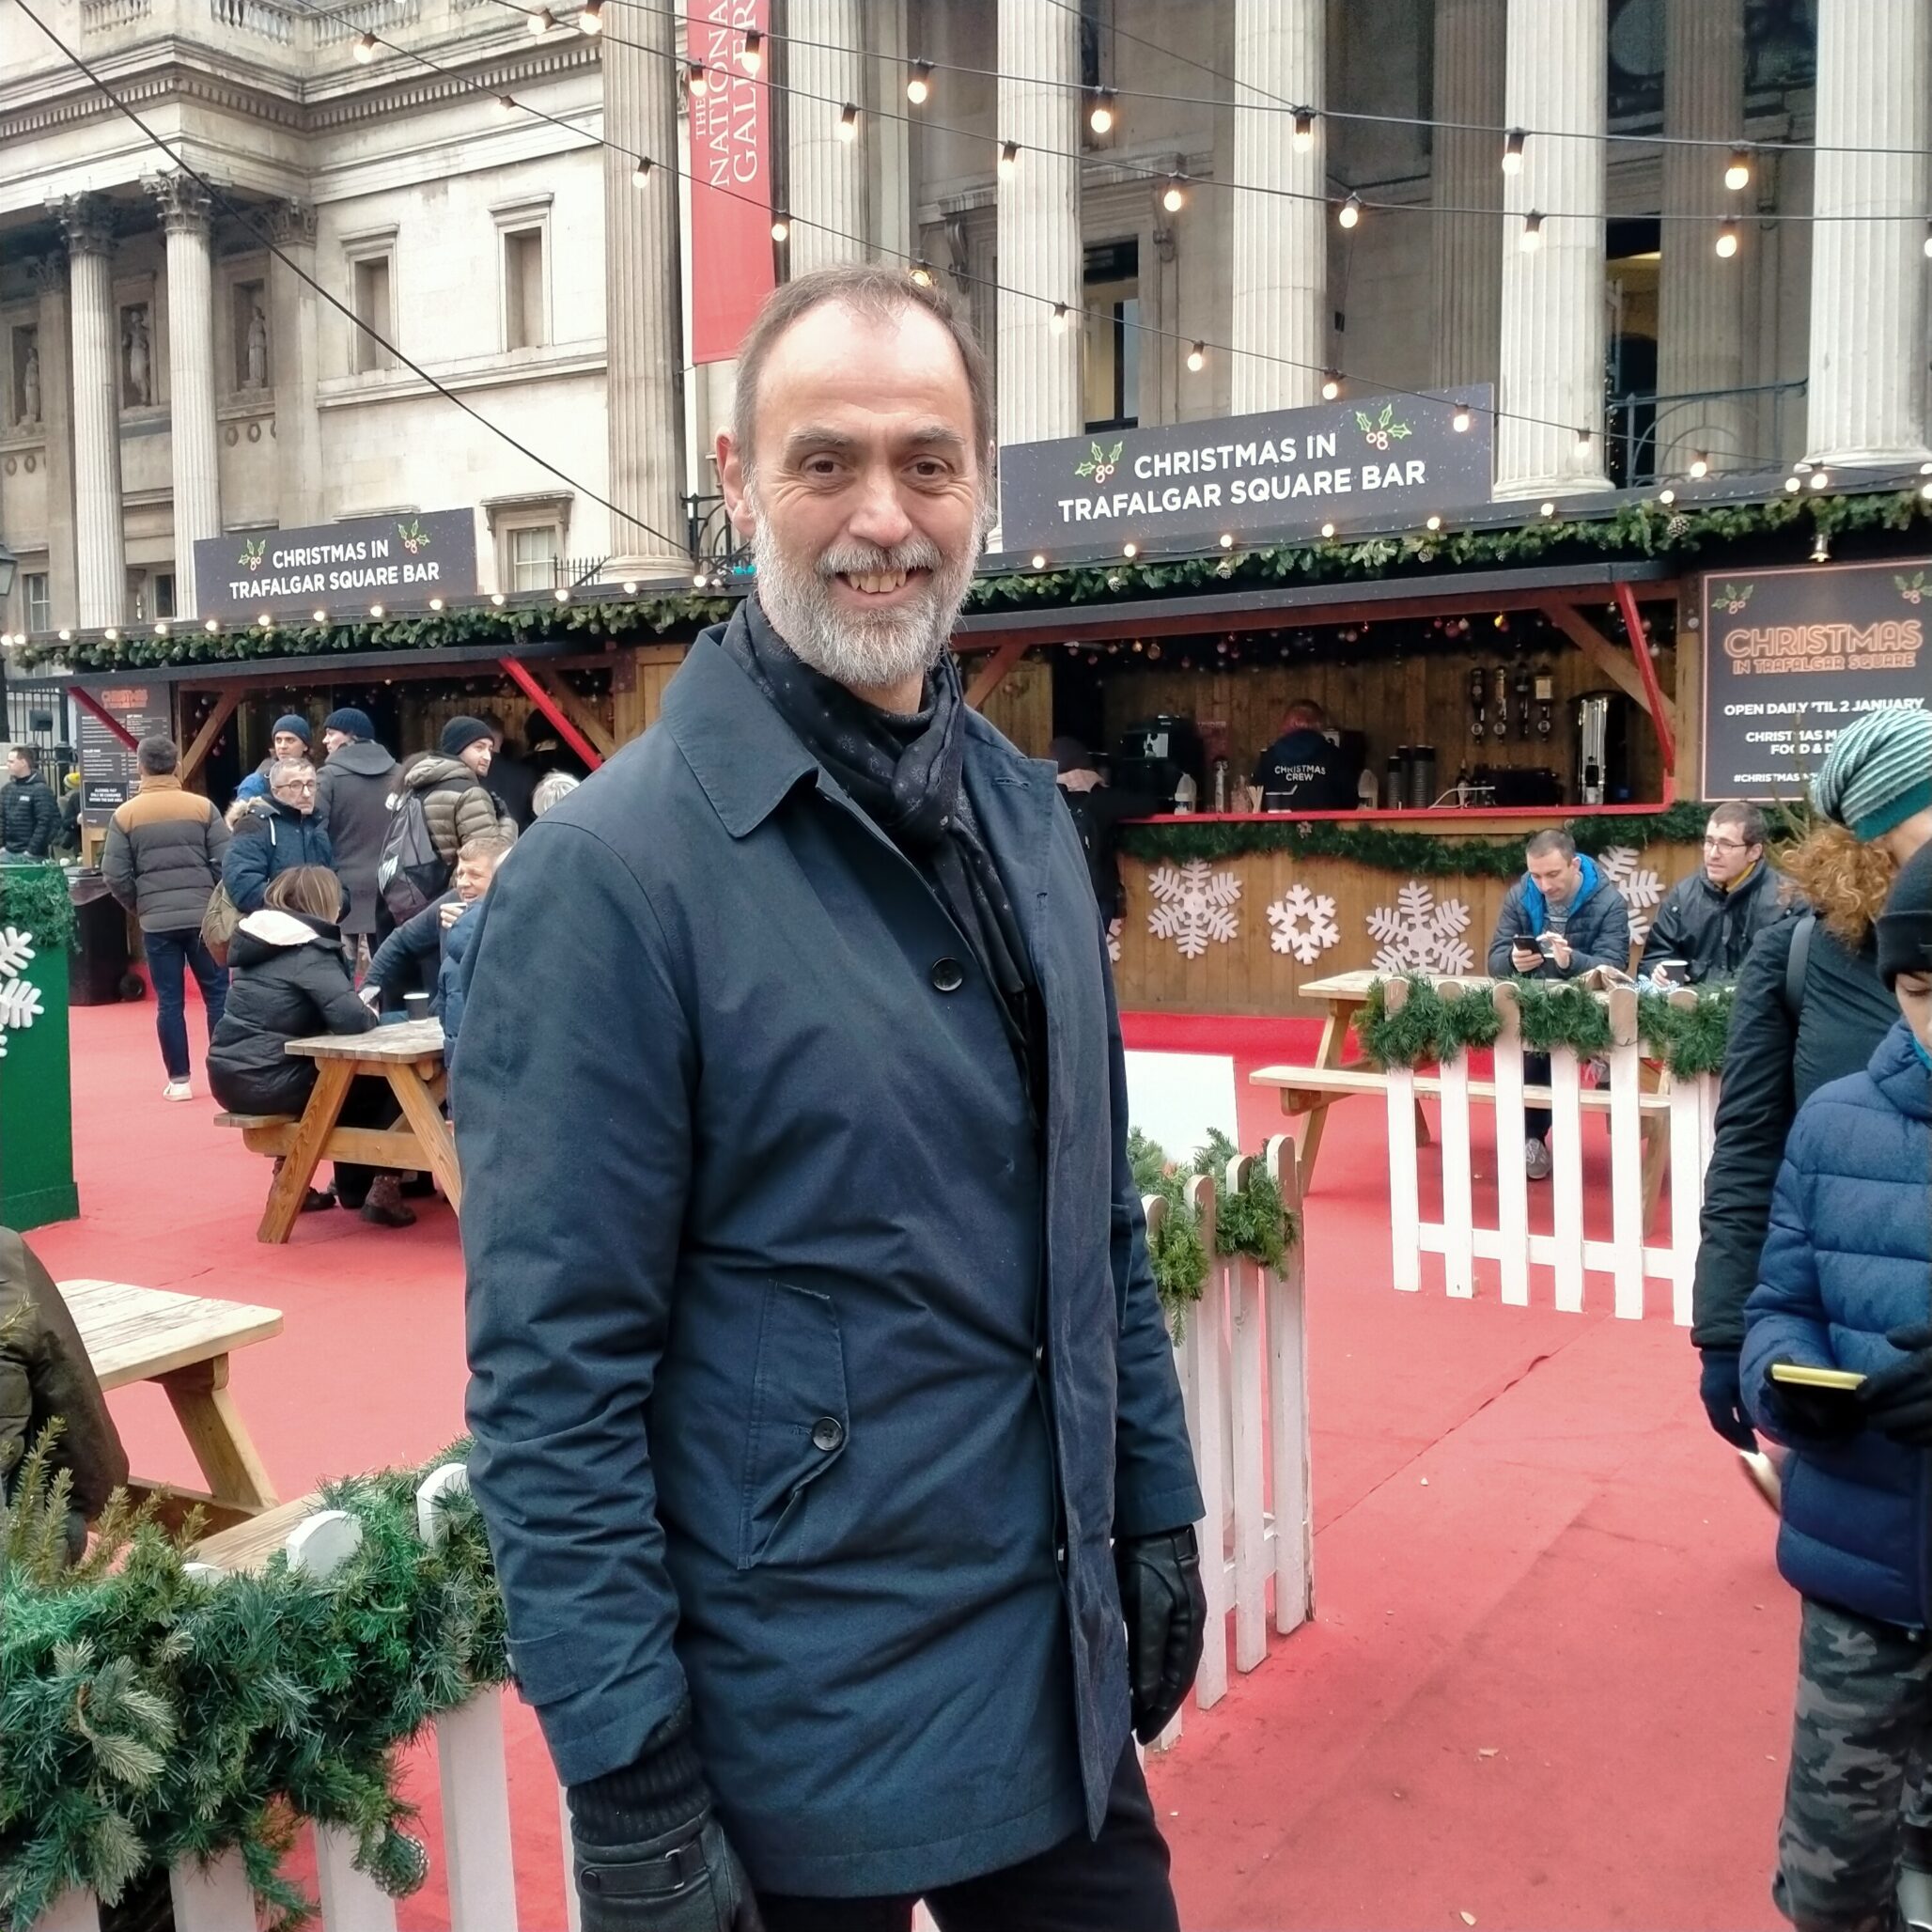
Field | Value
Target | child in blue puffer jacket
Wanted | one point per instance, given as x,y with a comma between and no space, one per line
1845,1282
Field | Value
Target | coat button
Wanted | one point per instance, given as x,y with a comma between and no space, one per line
948,976
827,1432
1060,1556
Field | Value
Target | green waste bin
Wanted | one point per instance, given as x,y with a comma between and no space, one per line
36,1154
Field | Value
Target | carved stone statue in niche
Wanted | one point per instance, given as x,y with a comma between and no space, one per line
26,378
138,360
255,353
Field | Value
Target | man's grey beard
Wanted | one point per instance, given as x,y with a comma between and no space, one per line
862,650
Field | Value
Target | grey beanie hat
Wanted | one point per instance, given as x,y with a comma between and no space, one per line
1877,773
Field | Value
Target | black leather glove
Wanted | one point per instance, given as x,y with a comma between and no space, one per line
1166,1611
650,1855
1721,1392
1811,1415
1897,1401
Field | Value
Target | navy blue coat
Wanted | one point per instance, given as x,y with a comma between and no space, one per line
803,1376
1849,1256
269,839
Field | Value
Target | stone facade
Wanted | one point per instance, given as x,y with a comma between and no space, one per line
163,374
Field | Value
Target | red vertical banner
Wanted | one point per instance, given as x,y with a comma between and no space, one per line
730,177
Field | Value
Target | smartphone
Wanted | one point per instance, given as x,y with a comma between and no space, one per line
1842,1379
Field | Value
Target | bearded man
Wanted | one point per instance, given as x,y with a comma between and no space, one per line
827,1432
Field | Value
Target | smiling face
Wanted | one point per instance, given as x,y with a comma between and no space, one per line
864,497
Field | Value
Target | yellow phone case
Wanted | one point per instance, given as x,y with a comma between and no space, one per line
1814,1378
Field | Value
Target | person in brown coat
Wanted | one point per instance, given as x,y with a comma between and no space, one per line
45,1376
457,800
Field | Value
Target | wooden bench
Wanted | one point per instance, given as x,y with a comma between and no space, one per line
1314,1080
247,1547
395,1148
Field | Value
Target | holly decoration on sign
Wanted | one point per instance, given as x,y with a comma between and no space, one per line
413,537
1913,588
1383,429
1101,464
1733,597
253,553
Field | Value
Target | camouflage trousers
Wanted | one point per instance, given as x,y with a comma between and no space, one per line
1858,1746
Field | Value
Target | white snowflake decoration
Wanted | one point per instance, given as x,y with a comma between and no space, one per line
1196,904
1640,884
19,1004
16,949
1304,923
1113,945
1419,933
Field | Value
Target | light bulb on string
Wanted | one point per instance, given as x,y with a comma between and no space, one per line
497,598
1039,560
266,621
698,579
922,273
161,629
1738,169
590,17
641,172
435,604
1129,549
1198,357
563,594
1432,522
751,56
1928,241
375,609
1792,485
1350,212
112,635
1548,509
696,80
1174,196
1532,237
1583,443
1304,130
1460,421
1227,539
631,587
1667,497
320,616
1331,384
1057,320
1925,493
1820,479
849,122
781,227
1513,150
506,103
1728,240
1101,112
540,23
919,83
1700,464
1009,159
365,48
211,626
1327,530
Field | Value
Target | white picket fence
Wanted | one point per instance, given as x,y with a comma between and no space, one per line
1628,1258
1244,1374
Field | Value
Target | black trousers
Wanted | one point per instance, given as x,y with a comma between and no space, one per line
1117,1882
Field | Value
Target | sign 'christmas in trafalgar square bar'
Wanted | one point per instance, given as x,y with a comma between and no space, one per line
400,561
1280,474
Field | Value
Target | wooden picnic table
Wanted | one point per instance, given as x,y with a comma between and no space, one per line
410,1058
182,1341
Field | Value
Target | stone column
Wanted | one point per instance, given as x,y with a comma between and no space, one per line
100,565
642,299
294,369
1553,299
184,207
1866,400
1466,260
1280,246
49,277
825,177
1700,335
1038,248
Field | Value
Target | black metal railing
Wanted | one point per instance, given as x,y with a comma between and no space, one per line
1649,437
713,540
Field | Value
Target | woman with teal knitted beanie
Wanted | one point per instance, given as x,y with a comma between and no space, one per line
1876,780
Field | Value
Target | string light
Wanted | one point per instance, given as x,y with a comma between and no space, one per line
1432,522
496,598
365,48
590,17
1532,237
1198,357
1925,493
1548,509
641,172
1667,497
1100,114
631,587
211,626
919,83
1460,421
1327,530
1351,211
508,103
1513,150
1928,241
1821,479
375,609
1700,464
781,227
849,122
160,630
1583,443
1331,384
1227,539
1039,560
1738,169
320,617
435,604
1304,130
266,621
1009,158
1129,549
751,56
563,594
921,272
1728,240
696,80
1792,485
541,21
1174,197
112,635
1057,320
66,636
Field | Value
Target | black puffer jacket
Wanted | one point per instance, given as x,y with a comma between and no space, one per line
290,983
1711,930
352,794
29,817
1773,1064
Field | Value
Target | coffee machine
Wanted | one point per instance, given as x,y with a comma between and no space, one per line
1603,770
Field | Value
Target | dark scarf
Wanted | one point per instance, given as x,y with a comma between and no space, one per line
904,774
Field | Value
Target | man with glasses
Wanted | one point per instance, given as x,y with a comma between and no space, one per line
276,836
1708,921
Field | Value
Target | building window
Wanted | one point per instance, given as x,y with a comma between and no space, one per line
533,551
375,313
1111,345
523,289
38,600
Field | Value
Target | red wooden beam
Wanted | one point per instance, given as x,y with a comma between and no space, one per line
100,714
1659,711
520,675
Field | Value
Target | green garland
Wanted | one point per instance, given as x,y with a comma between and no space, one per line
151,1718
1417,854
1434,1025
34,900
1640,529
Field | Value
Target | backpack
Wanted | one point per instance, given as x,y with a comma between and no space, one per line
1798,965
218,924
412,873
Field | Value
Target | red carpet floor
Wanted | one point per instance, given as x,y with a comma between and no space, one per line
1548,1679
